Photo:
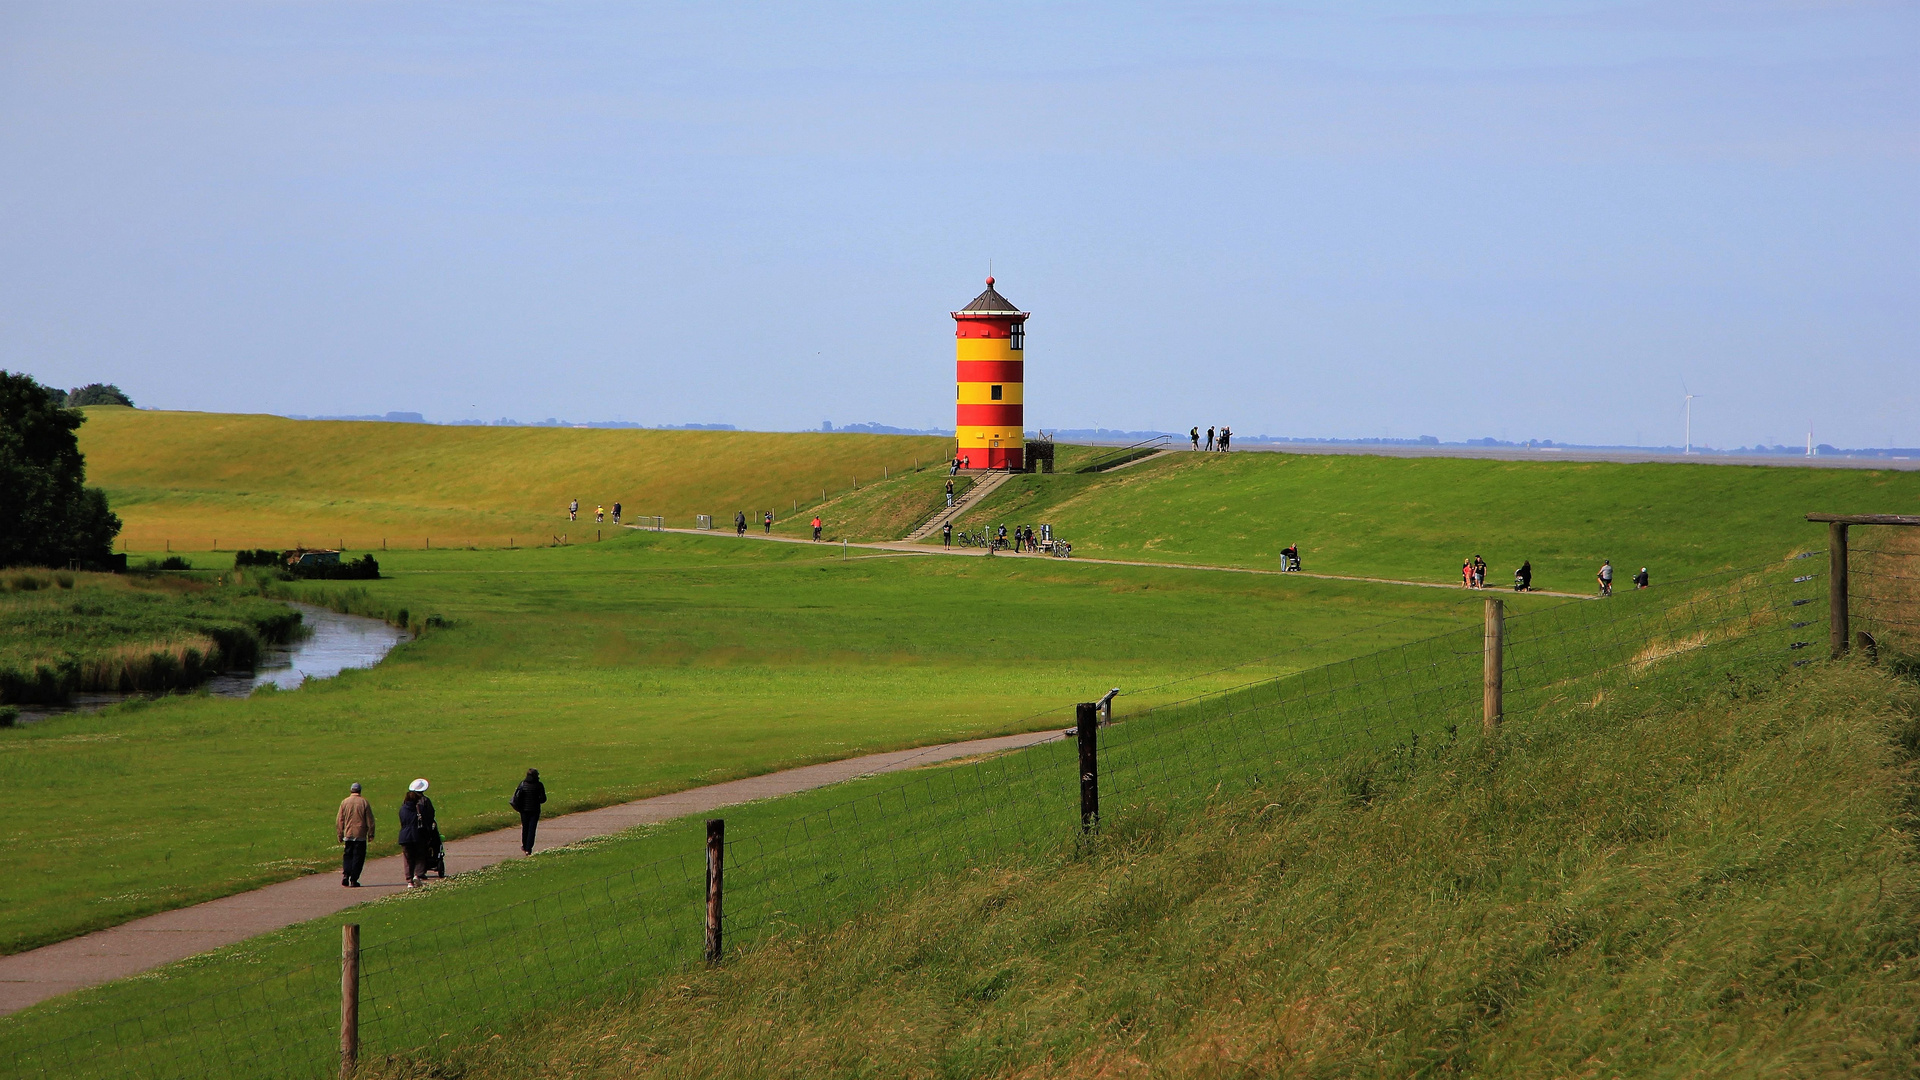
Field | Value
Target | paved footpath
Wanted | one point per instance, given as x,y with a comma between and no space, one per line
905,548
31,977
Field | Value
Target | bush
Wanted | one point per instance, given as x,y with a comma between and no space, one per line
8,714
171,562
97,394
256,557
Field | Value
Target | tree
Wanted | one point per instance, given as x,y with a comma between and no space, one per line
52,518
97,394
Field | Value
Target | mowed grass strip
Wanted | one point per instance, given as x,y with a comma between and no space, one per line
1667,884
242,480
639,666
1417,518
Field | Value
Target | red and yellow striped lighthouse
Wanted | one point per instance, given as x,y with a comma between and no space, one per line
989,414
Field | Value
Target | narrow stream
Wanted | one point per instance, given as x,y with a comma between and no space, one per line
329,644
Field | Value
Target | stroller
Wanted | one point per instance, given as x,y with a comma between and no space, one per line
436,855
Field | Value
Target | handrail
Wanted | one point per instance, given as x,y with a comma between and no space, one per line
1126,454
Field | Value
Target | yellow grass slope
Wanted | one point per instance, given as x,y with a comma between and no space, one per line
196,481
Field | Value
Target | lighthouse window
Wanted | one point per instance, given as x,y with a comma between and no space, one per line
1017,338
996,391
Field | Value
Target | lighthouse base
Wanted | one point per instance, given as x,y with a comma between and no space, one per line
993,457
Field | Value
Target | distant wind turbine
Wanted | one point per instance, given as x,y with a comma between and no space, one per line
1690,397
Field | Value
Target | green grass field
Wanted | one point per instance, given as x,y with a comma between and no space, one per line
641,665
202,480
1323,868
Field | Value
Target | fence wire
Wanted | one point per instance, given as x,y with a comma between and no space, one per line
818,859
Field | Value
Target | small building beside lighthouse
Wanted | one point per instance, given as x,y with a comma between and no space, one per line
989,411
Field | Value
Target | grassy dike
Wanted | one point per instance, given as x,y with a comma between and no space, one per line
200,480
1417,518
1666,884
642,665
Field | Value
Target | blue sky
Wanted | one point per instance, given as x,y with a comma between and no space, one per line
1518,220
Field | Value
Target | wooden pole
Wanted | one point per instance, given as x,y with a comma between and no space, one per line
716,862
1490,667
349,1000
1086,717
1837,635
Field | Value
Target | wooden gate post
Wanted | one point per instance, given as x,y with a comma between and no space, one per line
1837,635
1492,679
349,1000
716,862
1087,729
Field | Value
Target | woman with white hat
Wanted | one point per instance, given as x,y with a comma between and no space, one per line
416,832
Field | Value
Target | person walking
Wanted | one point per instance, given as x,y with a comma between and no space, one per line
416,836
946,534
527,799
740,523
1605,577
573,510
354,826
949,494
1523,577
1466,572
767,523
616,513
1195,436
816,527
1209,440
1640,579
1479,572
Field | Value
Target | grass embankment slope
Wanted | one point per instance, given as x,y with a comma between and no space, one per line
646,664
196,478
1659,885
1417,518
66,632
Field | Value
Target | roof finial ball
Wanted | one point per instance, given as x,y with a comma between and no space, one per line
989,281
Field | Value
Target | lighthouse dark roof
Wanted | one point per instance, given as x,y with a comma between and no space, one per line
990,303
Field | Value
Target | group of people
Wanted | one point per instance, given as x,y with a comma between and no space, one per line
419,837
960,461
766,523
1605,577
599,512
1473,574
1218,442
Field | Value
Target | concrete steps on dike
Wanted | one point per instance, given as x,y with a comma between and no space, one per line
985,483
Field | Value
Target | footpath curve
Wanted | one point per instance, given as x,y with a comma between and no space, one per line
128,949
905,547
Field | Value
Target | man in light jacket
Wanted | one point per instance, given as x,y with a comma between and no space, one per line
354,826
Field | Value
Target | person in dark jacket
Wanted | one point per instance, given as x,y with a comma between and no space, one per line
414,837
1523,577
527,799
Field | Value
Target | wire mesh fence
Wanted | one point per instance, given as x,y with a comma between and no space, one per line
486,960
1883,587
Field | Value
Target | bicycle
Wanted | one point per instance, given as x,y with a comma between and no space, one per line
1062,550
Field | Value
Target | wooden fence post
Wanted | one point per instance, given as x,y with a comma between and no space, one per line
349,1000
1837,635
1492,679
1087,722
716,860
